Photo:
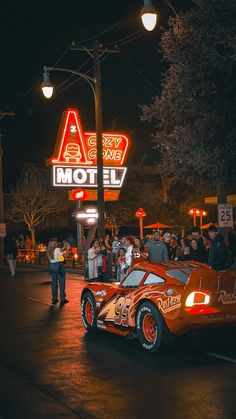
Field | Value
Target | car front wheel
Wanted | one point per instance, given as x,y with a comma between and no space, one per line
152,331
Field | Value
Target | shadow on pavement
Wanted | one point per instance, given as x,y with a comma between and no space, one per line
188,351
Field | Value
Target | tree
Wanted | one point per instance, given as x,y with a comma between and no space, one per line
31,203
194,116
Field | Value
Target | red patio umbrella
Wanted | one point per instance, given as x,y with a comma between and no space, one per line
158,226
206,226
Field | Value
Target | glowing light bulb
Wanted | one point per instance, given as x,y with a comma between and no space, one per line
47,90
46,86
149,21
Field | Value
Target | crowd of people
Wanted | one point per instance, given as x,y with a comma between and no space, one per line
110,258
122,253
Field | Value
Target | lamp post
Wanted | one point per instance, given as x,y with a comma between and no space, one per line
140,213
95,85
196,212
202,214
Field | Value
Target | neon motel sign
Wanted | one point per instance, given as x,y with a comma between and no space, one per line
74,161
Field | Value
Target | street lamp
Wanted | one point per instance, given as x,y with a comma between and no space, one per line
47,89
149,15
195,212
140,214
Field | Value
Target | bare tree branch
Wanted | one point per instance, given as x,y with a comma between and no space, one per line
31,203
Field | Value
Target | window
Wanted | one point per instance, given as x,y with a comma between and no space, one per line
134,278
153,279
182,275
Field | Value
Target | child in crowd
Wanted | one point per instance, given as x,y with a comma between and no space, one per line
122,266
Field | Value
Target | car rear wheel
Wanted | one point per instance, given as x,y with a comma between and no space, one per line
88,307
152,331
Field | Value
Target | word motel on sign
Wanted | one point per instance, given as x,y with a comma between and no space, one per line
113,177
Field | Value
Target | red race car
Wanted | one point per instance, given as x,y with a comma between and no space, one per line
157,301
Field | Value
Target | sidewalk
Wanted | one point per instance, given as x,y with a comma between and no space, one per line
42,268
20,269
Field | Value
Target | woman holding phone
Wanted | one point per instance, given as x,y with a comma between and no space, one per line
56,255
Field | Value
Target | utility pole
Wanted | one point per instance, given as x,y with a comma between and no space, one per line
95,52
2,115
99,128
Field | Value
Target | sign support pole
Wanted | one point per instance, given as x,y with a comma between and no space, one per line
79,229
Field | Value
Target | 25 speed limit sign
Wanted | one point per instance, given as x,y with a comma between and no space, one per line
225,215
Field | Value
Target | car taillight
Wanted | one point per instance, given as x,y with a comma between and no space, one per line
197,298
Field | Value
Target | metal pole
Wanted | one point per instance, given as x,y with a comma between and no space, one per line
99,127
79,230
194,217
141,227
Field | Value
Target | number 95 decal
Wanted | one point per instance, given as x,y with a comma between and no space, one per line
121,311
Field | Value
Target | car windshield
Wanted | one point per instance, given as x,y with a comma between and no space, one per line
134,278
180,274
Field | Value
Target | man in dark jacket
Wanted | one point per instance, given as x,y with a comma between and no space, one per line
218,254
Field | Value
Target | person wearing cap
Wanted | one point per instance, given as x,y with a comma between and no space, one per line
56,255
157,250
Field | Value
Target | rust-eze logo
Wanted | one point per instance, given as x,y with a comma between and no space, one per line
169,303
226,298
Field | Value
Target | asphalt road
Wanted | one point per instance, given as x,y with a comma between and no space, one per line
51,368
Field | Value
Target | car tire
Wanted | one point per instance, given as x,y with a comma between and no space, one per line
152,332
88,308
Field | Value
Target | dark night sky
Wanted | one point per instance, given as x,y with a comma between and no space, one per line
36,33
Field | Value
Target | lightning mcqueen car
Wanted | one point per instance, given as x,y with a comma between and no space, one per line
158,301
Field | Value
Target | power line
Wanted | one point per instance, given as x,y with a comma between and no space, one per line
139,72
141,33
79,78
40,80
61,56
72,75
124,38
106,30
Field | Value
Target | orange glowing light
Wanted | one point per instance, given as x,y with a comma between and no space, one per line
197,212
74,147
140,213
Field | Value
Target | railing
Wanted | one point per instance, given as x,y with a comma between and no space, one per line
39,257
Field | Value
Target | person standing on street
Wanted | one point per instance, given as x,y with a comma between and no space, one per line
11,251
218,255
56,255
129,251
167,241
157,249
